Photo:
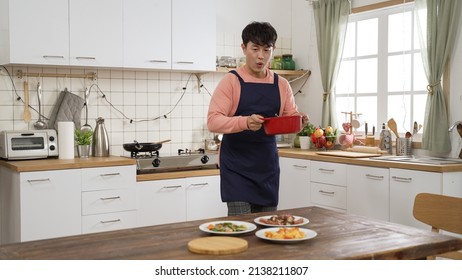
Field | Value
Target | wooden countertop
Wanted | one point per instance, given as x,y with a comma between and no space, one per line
311,155
339,236
177,175
56,164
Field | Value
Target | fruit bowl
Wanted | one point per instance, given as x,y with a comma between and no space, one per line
282,125
324,139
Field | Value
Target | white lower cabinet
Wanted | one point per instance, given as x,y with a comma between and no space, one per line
328,185
108,198
179,200
203,198
368,191
39,205
294,183
404,186
161,202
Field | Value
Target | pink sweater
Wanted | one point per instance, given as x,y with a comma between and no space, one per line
225,99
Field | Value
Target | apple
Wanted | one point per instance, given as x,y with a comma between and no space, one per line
318,132
329,130
329,144
320,142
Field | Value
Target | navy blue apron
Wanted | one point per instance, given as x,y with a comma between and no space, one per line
249,162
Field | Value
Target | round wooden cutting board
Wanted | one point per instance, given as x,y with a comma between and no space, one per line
218,245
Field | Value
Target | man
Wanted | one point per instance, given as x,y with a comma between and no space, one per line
249,163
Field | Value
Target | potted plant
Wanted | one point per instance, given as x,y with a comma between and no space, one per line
305,134
83,141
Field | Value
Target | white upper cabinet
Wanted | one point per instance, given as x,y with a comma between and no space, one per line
96,32
34,32
193,35
148,34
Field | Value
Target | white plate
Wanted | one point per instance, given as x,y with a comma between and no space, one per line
308,235
250,227
257,221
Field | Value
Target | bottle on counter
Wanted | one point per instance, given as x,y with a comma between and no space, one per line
100,141
385,140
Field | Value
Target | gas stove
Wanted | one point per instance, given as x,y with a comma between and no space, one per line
184,161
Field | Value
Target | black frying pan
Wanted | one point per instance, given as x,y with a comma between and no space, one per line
136,147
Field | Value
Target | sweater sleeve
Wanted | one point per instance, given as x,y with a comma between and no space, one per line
223,105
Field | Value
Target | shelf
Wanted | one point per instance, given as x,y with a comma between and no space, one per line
288,74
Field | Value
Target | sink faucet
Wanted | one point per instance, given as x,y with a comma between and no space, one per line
454,125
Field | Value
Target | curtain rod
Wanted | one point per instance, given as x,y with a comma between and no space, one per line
20,74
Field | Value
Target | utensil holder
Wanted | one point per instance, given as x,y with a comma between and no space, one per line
403,146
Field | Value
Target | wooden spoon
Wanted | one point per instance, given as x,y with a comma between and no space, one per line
26,115
392,125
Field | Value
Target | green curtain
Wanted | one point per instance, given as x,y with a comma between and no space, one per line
331,19
437,22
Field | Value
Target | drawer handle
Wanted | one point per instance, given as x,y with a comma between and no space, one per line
38,180
172,187
86,57
402,179
110,174
326,170
110,221
110,198
199,185
157,61
185,62
53,56
326,193
375,177
299,166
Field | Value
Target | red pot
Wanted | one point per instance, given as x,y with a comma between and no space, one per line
282,125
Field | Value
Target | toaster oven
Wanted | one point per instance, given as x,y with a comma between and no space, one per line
28,144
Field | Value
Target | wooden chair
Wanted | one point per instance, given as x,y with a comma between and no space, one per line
441,213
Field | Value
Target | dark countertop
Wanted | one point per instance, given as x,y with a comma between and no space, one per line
339,236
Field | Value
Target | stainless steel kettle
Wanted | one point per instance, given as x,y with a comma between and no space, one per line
100,141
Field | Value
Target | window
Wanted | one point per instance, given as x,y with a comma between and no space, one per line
381,75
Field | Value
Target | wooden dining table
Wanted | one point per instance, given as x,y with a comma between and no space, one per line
339,237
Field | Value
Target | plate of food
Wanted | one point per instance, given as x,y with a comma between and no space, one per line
286,234
281,220
227,227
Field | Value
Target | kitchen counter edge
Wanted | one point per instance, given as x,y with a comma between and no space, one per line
58,164
311,155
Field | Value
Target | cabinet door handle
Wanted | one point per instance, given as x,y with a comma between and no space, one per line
402,179
199,185
300,166
326,170
110,174
326,193
53,56
374,177
110,198
110,221
85,57
38,180
157,61
172,187
185,62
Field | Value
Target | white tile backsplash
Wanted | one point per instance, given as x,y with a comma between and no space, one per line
142,96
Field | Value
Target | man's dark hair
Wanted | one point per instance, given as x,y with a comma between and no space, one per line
261,33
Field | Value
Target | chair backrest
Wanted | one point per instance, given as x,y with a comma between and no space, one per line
439,211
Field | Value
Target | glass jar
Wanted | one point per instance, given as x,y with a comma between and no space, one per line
287,62
277,62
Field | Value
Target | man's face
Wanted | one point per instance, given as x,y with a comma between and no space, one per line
257,57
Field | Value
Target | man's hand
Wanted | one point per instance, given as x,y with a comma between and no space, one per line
254,122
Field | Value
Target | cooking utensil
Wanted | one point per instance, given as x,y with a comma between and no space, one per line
26,115
136,147
393,127
282,125
39,124
459,129
415,128
86,126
